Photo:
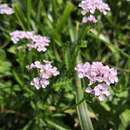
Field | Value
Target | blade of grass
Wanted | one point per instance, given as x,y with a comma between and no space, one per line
40,9
56,125
114,49
82,109
63,19
17,78
29,8
19,15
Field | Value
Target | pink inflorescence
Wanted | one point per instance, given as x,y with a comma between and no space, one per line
16,36
37,42
46,71
89,7
99,75
5,9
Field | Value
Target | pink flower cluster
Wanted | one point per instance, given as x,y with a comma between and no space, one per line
46,71
100,74
89,8
5,9
16,36
37,42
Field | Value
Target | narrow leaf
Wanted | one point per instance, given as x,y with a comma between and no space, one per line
56,125
63,19
82,109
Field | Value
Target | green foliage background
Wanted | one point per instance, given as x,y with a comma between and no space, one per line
22,107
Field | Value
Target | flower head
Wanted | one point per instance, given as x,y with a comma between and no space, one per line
97,72
5,9
100,76
16,36
45,72
89,7
37,42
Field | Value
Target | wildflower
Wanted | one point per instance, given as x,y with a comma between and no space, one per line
100,77
89,7
83,69
97,72
39,82
5,9
35,65
100,91
37,42
16,36
45,72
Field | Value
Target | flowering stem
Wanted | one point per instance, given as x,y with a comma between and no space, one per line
82,109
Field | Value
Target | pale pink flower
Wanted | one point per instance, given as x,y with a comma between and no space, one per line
39,82
5,9
16,36
89,7
110,76
101,91
35,65
97,74
37,42
89,90
83,69
89,19
45,72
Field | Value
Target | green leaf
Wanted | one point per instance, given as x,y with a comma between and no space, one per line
17,78
82,109
107,42
12,50
2,54
62,83
26,127
29,8
19,15
57,125
125,119
63,19
4,67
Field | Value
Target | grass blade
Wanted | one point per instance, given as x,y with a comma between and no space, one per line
56,125
63,19
82,109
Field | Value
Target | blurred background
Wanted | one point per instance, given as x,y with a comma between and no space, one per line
22,107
